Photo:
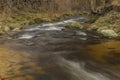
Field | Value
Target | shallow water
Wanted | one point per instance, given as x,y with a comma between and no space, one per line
59,54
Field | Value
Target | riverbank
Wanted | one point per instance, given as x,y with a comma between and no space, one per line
108,25
16,22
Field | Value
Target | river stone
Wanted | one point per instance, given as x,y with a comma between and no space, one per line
16,29
109,33
6,28
81,33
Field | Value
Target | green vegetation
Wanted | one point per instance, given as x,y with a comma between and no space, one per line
17,22
15,14
92,18
108,22
74,25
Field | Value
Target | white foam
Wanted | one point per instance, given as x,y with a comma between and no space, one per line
78,72
32,29
68,21
26,36
83,38
51,26
81,33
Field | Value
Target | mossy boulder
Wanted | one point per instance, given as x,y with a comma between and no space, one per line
74,25
93,28
6,29
109,33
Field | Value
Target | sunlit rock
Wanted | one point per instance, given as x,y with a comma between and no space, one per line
109,33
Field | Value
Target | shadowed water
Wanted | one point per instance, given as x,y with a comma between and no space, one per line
46,53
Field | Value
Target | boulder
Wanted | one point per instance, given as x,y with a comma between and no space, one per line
80,33
6,29
109,33
16,29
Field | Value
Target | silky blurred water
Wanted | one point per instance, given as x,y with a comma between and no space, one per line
53,52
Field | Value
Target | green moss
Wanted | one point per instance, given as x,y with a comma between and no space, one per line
91,18
107,20
74,25
93,28
40,20
16,22
110,21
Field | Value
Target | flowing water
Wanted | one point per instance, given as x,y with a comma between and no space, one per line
49,51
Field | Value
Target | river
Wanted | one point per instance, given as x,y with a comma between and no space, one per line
49,51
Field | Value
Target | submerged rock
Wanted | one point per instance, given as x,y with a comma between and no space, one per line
109,33
81,33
